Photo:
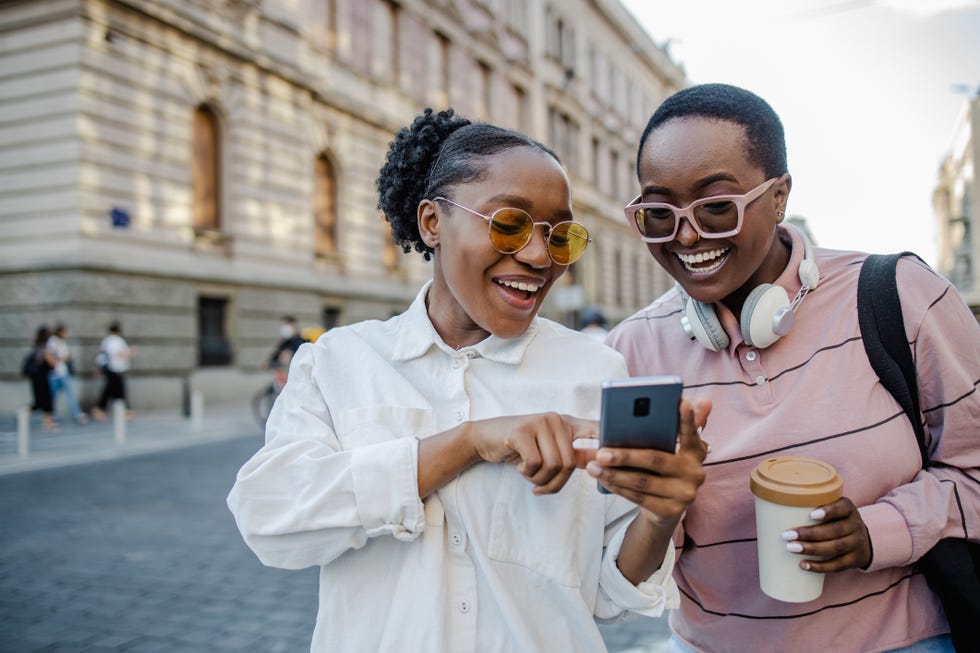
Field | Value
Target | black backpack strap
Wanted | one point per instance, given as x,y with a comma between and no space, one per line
885,340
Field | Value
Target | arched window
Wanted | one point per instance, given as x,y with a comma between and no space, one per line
206,170
324,207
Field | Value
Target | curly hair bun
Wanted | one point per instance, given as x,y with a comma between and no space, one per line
428,158
404,177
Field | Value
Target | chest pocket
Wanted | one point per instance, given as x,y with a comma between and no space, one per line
546,534
366,425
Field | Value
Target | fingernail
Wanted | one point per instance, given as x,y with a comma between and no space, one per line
604,457
790,535
818,514
806,565
593,468
794,547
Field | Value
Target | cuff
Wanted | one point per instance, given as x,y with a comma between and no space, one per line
890,537
386,488
652,596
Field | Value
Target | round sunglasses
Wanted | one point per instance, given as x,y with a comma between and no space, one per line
511,231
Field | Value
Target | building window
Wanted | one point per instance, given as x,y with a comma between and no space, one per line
206,170
439,72
560,43
324,22
596,162
618,274
330,317
615,185
564,138
324,208
486,94
361,36
387,61
213,346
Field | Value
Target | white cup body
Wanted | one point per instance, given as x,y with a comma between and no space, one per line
780,575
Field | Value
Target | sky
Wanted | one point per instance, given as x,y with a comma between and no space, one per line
869,92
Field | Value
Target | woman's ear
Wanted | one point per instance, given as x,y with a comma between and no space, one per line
781,191
428,219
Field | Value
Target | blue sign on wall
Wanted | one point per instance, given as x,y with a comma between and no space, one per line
120,217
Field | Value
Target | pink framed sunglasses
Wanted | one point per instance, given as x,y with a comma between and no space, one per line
712,217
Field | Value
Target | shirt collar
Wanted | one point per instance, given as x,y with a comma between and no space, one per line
416,335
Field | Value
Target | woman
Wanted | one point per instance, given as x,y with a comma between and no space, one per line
41,364
426,463
60,376
114,360
714,190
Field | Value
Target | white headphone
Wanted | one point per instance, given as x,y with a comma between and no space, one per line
767,313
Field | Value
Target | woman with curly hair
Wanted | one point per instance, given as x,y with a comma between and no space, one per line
434,480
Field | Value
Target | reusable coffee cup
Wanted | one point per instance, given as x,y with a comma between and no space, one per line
787,489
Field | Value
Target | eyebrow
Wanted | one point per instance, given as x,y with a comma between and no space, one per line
701,183
518,202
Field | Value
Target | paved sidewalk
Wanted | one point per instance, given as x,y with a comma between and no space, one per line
147,432
107,547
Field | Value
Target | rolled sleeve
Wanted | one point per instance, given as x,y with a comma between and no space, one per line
890,536
392,506
650,598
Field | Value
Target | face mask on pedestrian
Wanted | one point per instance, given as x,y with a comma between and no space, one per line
286,331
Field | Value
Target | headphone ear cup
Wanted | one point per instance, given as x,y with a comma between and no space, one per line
766,315
702,324
809,274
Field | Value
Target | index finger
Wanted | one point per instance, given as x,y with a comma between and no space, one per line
586,432
693,415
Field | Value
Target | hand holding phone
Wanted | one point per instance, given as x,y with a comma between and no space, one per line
640,413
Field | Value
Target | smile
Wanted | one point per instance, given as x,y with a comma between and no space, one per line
520,285
703,262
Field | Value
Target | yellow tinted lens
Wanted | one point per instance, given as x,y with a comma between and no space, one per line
567,242
510,229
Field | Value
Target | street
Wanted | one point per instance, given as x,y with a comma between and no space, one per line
141,554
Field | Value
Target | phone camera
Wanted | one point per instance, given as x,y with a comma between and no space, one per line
641,406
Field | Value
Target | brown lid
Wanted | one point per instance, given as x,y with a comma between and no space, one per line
796,481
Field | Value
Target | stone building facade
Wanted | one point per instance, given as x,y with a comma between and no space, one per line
957,190
197,169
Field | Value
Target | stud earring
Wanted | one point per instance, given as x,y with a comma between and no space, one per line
779,214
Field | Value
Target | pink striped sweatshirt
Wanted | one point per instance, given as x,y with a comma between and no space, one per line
813,393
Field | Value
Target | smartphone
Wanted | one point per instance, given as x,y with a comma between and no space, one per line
640,413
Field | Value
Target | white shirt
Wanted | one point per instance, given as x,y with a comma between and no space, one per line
59,350
481,564
117,353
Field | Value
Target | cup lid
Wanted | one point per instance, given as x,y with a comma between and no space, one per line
796,481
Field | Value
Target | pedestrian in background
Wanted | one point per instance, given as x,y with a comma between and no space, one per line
37,365
594,323
113,362
62,368
426,463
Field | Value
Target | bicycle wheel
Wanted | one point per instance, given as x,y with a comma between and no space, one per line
262,404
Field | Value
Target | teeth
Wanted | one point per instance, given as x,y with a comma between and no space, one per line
701,257
520,285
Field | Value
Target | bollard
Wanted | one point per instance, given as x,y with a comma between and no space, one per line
197,411
119,421
24,431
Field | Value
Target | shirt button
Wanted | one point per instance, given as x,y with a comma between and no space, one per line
464,607
459,415
456,539
471,354
760,379
751,356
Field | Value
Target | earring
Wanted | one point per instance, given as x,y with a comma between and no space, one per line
779,214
